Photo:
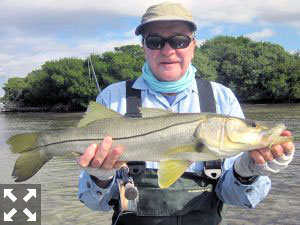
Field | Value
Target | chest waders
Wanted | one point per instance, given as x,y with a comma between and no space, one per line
190,200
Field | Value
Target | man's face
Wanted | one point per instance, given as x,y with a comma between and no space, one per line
169,64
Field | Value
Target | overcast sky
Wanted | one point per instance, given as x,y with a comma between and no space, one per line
35,31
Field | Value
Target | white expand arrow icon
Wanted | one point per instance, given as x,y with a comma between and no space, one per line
7,193
8,216
31,216
31,193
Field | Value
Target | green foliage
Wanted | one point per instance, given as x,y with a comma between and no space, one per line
14,90
67,83
62,82
255,71
294,79
124,63
206,68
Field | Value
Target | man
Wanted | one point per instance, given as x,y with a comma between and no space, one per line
168,82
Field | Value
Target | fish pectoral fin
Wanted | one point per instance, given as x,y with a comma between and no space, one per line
202,146
152,112
95,112
180,149
170,171
208,152
212,152
198,146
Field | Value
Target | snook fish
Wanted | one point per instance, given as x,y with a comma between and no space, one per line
173,139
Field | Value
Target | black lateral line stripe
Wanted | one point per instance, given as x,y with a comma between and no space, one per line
118,138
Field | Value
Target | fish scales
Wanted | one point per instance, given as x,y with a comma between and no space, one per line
174,140
142,139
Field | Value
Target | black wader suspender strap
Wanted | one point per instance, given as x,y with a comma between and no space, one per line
206,96
133,100
212,169
207,102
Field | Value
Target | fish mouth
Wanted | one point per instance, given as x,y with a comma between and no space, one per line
277,130
274,135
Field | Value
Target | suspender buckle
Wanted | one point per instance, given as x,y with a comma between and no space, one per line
213,169
136,167
213,173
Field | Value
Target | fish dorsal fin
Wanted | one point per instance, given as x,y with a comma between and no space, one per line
96,111
170,171
152,112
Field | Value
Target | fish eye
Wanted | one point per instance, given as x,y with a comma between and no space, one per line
251,123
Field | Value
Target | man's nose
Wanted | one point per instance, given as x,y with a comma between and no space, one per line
167,49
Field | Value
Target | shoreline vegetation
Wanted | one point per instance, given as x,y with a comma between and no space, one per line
10,107
65,108
257,73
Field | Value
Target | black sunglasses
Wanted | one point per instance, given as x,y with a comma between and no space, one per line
176,42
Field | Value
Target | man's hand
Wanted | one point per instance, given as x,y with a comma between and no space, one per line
261,156
101,161
265,161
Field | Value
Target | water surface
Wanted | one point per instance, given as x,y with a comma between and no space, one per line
59,177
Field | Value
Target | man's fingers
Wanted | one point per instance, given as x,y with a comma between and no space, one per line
112,157
102,152
257,157
261,156
101,156
119,164
88,155
288,147
266,153
286,133
277,151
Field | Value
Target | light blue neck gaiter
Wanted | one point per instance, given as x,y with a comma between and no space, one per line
168,87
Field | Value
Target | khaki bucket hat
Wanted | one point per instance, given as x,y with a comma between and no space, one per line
166,11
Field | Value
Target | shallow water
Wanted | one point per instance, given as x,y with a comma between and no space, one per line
59,177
